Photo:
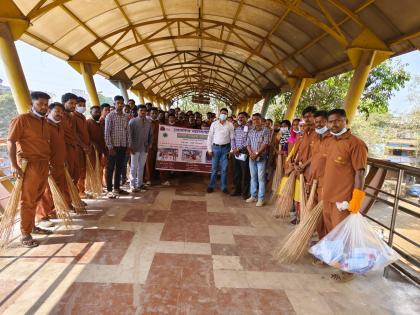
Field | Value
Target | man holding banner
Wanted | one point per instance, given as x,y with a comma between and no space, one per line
218,147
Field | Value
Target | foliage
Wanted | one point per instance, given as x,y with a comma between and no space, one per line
104,99
382,83
7,112
186,104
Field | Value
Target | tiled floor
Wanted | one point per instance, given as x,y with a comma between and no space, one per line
178,250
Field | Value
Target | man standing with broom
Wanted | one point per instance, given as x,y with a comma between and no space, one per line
29,140
57,161
345,165
96,134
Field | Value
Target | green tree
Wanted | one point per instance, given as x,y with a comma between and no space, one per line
104,99
382,83
7,112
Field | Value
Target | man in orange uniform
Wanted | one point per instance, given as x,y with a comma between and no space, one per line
96,134
345,165
318,159
57,161
83,144
69,100
29,139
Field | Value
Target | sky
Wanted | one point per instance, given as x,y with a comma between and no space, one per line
48,73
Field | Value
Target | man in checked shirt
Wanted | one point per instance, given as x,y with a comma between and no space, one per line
257,143
116,139
241,177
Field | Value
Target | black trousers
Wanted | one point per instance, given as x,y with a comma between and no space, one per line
241,177
115,163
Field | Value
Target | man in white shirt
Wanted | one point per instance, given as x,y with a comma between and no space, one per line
220,135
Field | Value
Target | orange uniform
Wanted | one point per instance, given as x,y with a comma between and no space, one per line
31,133
345,155
303,150
151,155
57,162
68,124
96,134
84,139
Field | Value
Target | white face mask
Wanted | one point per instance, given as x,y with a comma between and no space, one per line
223,117
50,117
80,109
339,133
284,129
37,114
321,131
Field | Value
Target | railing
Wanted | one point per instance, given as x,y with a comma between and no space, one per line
395,212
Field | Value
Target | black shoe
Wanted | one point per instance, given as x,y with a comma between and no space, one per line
123,192
210,190
226,191
245,197
235,193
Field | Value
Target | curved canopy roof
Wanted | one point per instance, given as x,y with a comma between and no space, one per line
231,49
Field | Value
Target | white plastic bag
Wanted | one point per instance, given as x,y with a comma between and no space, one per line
354,246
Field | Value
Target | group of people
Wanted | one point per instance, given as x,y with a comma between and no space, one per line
57,138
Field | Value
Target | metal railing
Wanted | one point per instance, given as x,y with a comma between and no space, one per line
410,264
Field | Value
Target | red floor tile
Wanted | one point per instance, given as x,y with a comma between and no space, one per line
188,205
229,219
151,216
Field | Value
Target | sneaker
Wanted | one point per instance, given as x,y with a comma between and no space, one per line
225,191
134,190
111,195
45,223
210,190
148,183
260,203
141,189
167,183
251,199
123,192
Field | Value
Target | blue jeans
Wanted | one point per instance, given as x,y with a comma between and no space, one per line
257,169
219,156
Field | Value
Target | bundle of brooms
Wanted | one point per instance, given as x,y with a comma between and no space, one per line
74,194
297,241
93,185
309,203
61,207
302,197
284,202
9,214
98,169
278,175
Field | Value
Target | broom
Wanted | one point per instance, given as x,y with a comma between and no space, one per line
297,241
61,207
74,194
9,215
276,179
311,199
285,200
91,179
302,195
98,170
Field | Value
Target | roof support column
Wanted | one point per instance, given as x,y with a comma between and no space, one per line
299,86
268,96
89,83
13,68
123,90
250,105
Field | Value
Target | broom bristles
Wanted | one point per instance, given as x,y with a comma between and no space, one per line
98,170
276,180
10,211
311,199
74,193
61,207
302,197
92,184
285,200
297,241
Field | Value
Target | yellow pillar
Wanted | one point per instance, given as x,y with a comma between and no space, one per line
87,75
300,85
13,69
357,83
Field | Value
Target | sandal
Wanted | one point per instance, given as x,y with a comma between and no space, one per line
342,276
28,242
38,230
318,263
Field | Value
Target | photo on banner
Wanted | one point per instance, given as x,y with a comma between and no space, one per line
182,149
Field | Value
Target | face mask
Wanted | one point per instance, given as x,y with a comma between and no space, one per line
321,131
284,129
339,133
223,117
50,117
80,109
38,114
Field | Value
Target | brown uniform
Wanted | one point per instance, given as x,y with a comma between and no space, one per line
31,133
70,137
57,162
83,135
346,154
151,154
96,134
303,151
317,167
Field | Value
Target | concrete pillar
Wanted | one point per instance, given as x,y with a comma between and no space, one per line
357,84
123,90
13,69
294,101
87,74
